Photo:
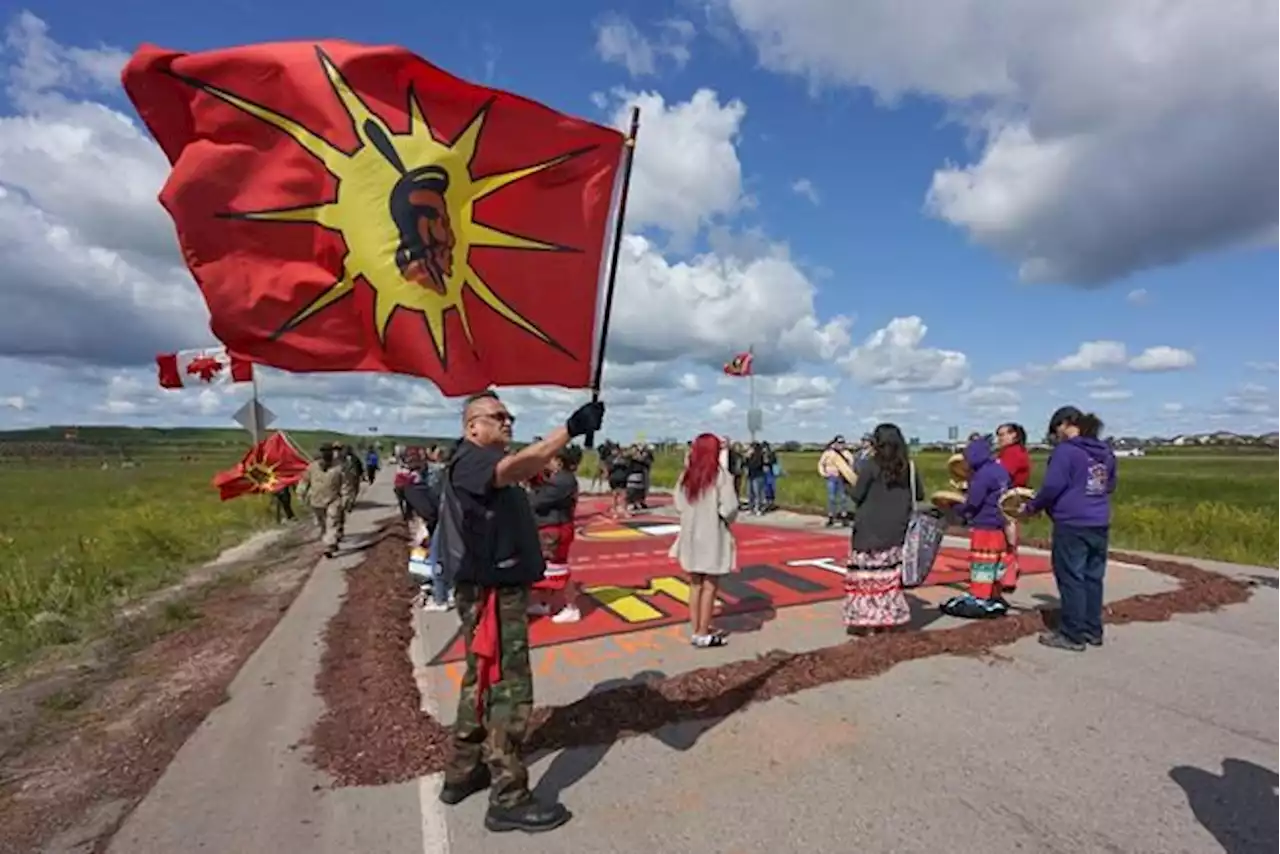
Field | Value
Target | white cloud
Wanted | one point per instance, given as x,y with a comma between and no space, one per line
1265,367
1251,399
1114,136
992,401
1100,382
686,171
1111,394
1010,377
1104,355
1094,356
619,41
1138,296
90,268
723,407
14,401
1172,407
713,305
805,188
892,359
1162,358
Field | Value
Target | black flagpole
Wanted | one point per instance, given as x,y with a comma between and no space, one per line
590,440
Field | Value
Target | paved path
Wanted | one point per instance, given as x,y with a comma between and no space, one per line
1160,742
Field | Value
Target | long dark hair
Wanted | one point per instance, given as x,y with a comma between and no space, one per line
1020,435
1087,423
890,453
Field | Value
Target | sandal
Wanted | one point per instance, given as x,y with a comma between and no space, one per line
705,641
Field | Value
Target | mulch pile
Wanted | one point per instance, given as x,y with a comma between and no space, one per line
375,732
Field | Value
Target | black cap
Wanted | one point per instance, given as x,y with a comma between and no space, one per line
1062,415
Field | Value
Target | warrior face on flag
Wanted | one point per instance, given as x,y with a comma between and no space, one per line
421,214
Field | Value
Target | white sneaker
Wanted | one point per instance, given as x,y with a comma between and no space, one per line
568,614
431,606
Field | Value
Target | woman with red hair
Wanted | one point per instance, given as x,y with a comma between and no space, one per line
707,503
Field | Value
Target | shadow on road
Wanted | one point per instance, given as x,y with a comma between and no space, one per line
1239,807
616,707
1271,581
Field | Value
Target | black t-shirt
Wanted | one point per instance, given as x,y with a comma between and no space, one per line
498,529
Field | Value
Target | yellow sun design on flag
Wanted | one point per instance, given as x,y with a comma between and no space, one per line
405,207
262,476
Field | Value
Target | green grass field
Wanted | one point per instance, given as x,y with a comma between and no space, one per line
77,540
1197,503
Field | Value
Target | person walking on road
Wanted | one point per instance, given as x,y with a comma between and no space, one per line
1076,494
353,469
492,552
326,489
707,502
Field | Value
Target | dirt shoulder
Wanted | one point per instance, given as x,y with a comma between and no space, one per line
83,740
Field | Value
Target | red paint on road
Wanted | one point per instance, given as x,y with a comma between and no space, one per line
630,584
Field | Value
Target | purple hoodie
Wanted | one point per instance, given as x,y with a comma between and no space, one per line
1078,484
987,483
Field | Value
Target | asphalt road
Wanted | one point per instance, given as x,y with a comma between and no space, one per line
1164,741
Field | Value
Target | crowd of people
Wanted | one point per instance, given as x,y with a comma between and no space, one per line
494,528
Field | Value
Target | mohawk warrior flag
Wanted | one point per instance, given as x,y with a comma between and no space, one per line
353,208
210,366
270,466
739,365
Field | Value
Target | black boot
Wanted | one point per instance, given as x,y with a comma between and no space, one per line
529,815
456,793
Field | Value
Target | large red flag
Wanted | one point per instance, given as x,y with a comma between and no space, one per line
270,466
353,208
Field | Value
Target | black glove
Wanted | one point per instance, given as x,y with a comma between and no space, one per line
587,419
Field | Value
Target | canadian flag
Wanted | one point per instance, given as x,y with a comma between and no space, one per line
187,368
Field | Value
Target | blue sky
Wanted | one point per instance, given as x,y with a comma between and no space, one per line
822,179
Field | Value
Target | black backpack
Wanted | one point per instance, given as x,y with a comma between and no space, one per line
424,497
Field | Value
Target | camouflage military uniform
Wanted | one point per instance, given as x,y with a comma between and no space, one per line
354,474
326,491
497,739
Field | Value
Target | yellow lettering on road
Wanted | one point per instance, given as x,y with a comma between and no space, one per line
629,604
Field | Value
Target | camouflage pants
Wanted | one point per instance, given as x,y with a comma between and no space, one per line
332,520
497,739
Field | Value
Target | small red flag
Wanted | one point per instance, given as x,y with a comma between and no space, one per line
270,466
210,366
354,208
739,365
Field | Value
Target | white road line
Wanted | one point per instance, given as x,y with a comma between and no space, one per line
435,826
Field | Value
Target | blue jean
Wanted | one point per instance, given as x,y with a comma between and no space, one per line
835,496
755,493
1079,559
439,585
770,487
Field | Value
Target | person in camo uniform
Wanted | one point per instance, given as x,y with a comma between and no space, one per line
326,489
500,559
